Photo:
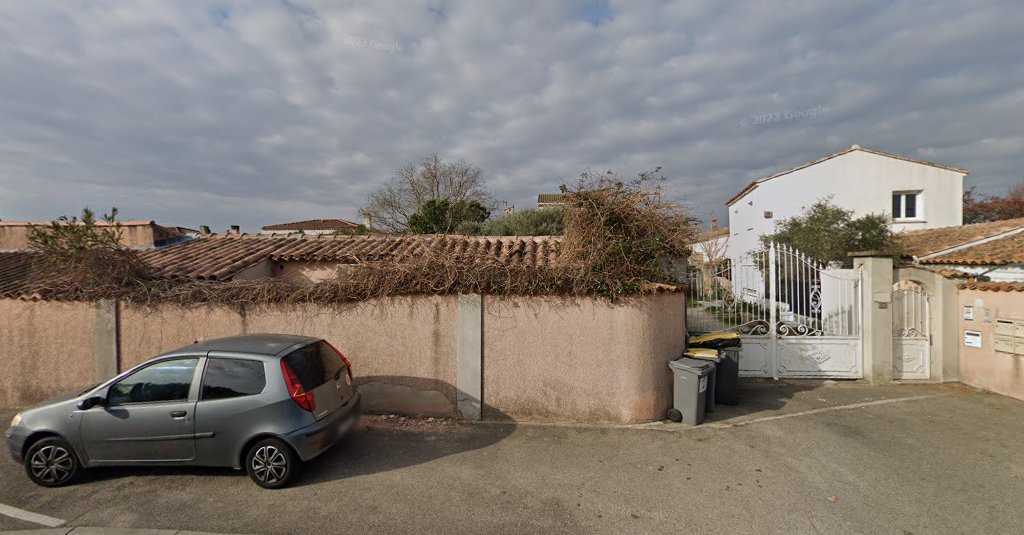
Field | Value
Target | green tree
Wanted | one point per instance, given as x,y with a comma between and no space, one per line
393,205
441,216
827,233
533,222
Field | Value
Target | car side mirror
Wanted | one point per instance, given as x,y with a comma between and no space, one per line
91,402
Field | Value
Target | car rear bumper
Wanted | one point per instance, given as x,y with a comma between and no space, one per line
312,440
15,443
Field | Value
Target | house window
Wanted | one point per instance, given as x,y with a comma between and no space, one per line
906,205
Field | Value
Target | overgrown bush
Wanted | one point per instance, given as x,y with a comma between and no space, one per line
82,259
623,234
620,239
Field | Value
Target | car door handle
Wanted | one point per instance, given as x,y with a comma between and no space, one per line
178,414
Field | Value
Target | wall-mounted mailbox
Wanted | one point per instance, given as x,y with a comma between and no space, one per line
972,339
1008,336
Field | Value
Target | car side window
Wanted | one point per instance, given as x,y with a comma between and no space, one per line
168,380
230,378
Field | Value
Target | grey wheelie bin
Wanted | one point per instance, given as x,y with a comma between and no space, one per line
693,384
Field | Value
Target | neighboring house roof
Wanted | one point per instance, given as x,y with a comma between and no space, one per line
314,224
926,243
993,286
221,256
15,268
998,252
753,185
15,233
550,198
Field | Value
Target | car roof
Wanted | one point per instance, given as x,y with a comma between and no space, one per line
257,344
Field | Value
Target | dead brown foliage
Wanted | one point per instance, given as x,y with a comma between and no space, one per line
620,239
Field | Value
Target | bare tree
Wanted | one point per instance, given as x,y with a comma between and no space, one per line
710,257
391,206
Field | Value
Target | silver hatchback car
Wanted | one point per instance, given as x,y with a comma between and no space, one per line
264,402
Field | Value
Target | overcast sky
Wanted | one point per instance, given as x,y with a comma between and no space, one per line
260,112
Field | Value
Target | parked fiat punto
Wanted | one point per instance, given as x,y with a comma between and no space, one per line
263,403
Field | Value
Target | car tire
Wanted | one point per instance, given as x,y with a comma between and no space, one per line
271,463
675,415
51,462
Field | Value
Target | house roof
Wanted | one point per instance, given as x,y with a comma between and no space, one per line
927,242
15,268
753,185
314,224
998,252
550,198
218,257
993,286
221,256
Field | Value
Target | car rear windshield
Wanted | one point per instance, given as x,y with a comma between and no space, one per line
315,364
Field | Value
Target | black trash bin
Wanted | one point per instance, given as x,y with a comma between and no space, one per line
727,359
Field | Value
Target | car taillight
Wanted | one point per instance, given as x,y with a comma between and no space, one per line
348,365
304,399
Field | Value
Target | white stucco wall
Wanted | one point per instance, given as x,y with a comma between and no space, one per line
860,181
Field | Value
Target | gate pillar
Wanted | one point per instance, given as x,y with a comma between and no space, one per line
877,321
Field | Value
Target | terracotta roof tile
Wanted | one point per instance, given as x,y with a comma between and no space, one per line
219,257
551,198
993,286
315,224
998,252
222,256
930,241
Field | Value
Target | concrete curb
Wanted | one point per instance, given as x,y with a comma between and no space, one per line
107,531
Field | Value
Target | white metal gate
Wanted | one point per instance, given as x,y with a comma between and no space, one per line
796,317
911,338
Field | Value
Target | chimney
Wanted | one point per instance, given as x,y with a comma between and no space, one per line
367,220
235,229
510,209
204,229
714,223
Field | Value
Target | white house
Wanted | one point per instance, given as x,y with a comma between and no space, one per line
916,194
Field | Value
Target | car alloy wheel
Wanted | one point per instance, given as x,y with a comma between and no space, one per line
51,463
271,463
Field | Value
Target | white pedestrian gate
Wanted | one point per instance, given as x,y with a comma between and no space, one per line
911,340
796,317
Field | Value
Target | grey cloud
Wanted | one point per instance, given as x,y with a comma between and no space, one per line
253,113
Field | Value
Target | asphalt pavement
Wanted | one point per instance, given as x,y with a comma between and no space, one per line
795,457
